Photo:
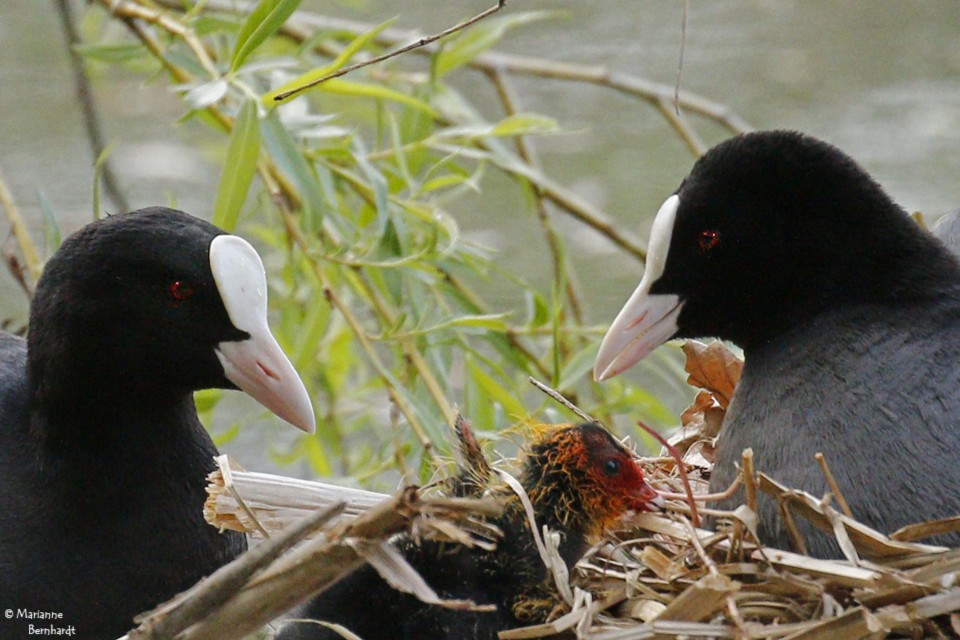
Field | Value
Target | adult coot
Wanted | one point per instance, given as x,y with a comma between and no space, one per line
579,480
848,314
102,458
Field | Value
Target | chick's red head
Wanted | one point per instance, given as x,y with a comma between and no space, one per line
588,478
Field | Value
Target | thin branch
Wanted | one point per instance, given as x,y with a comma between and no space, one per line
421,42
680,468
556,395
87,106
303,23
410,351
512,336
685,13
128,10
208,595
554,243
398,399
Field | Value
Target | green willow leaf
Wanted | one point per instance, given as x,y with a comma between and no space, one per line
481,37
341,60
262,23
350,88
238,167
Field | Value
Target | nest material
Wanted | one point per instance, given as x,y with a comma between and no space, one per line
661,577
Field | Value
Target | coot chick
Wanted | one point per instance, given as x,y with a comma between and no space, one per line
102,458
848,314
579,479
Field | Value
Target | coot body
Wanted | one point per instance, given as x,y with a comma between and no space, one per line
848,314
102,458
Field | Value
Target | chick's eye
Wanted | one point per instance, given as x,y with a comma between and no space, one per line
611,467
708,239
180,290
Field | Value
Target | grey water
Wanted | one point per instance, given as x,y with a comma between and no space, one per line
880,79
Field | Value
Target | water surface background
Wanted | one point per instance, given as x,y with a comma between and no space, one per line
880,79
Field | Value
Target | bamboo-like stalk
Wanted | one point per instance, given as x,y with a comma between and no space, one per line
28,249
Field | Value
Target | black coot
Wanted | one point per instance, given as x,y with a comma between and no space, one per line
848,314
102,458
579,479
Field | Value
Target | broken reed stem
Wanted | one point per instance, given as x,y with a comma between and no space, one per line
748,472
303,571
832,483
193,605
422,42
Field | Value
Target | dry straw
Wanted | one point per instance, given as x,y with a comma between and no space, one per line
658,577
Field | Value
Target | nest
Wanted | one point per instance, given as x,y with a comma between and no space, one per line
661,576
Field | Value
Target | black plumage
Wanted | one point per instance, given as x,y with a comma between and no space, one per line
579,480
848,314
102,458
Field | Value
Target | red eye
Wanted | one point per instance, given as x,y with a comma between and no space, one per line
181,290
709,239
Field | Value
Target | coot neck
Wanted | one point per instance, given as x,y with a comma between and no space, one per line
108,414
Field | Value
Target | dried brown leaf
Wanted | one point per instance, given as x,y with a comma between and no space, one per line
713,367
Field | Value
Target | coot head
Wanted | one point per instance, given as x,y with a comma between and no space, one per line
583,478
768,230
153,304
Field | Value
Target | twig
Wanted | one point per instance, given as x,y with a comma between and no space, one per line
832,483
410,351
353,322
685,14
303,25
556,395
422,42
691,502
87,106
195,604
512,335
525,151
128,10
306,569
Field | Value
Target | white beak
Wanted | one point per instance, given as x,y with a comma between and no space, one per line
256,365
646,320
